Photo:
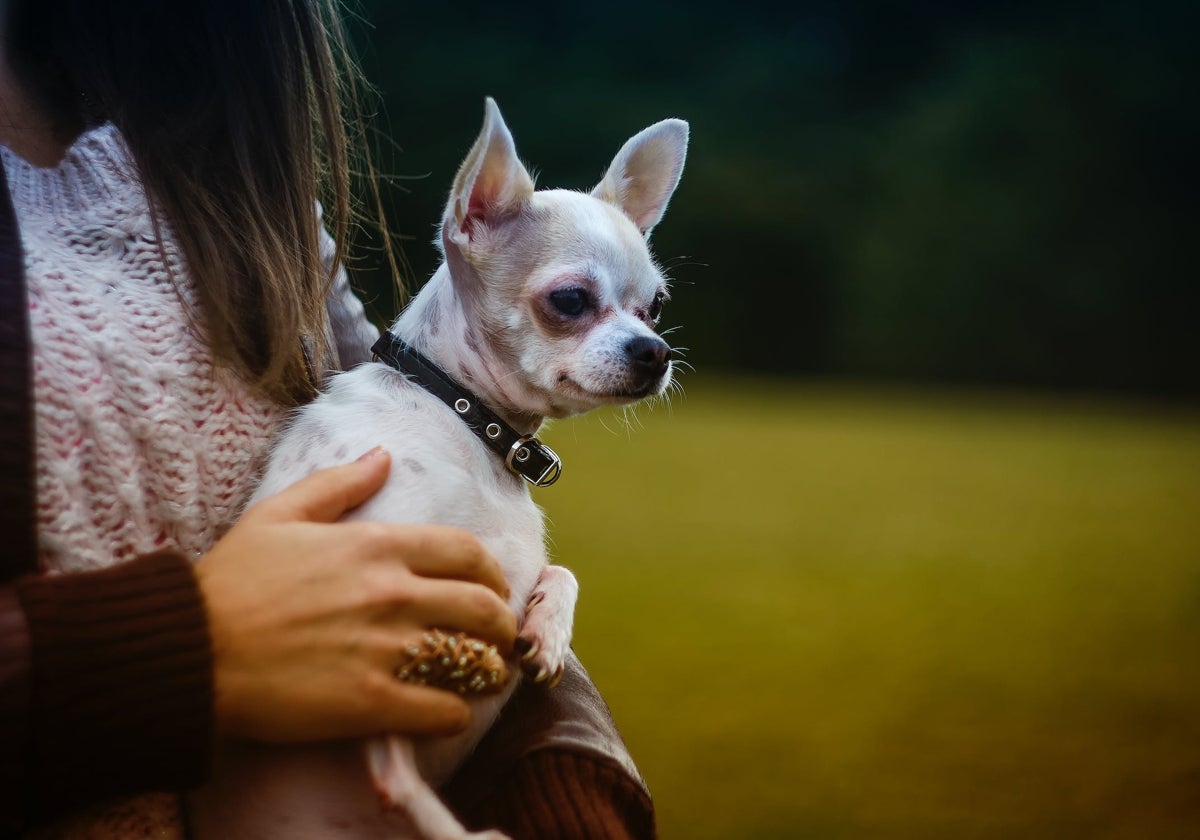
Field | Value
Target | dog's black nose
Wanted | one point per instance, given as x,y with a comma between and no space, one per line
648,355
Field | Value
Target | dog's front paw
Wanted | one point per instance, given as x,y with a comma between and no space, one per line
545,634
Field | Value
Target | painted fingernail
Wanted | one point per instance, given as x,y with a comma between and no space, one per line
522,645
374,453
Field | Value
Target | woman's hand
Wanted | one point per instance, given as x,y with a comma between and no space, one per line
310,617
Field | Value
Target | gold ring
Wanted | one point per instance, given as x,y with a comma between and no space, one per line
455,662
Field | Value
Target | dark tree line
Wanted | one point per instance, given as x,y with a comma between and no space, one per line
958,191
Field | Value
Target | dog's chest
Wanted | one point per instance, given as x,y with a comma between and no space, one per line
441,473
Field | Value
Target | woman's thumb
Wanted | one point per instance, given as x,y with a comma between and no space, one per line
326,494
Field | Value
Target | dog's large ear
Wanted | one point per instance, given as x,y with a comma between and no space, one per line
491,181
644,174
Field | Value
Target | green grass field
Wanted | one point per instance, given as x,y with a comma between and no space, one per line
825,612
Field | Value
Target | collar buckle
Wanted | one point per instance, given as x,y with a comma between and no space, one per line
527,456
520,452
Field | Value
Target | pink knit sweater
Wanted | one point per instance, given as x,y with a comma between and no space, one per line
142,444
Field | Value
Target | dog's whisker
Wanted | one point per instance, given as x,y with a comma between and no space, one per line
606,428
684,260
637,418
638,422
625,414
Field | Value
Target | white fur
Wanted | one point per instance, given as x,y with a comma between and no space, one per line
486,317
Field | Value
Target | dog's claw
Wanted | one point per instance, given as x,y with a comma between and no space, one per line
547,626
534,601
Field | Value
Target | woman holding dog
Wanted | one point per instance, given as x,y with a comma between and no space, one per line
164,278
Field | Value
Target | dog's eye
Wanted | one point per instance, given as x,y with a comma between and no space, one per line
570,302
655,307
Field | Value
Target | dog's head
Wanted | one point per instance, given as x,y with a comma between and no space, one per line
561,284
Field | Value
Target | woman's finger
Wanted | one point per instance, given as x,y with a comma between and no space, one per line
418,710
327,494
465,607
437,551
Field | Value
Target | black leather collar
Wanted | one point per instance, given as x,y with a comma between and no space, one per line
524,455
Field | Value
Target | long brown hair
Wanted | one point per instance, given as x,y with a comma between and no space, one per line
241,115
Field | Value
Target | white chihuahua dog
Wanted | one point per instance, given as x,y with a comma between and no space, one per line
545,306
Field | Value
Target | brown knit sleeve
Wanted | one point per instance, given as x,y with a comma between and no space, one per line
554,767
14,710
559,794
121,683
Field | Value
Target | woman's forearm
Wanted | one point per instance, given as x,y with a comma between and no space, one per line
112,683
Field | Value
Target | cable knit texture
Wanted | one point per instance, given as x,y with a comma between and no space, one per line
142,444
143,447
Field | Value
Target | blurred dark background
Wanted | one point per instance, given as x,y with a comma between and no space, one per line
931,612
967,192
